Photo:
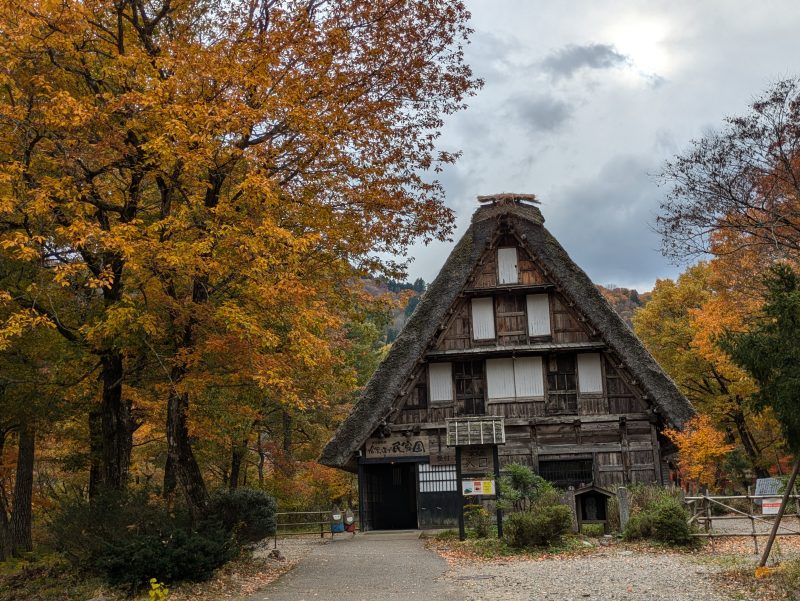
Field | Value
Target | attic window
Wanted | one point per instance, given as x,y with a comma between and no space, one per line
514,378
562,389
507,266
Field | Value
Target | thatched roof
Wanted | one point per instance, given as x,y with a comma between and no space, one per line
381,391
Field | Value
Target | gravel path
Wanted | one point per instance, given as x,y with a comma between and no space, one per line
398,567
610,575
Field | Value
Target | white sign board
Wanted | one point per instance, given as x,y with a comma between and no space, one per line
770,506
471,488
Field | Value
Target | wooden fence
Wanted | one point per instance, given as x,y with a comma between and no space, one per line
703,508
295,523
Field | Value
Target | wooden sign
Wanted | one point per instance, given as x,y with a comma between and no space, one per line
477,460
439,453
396,445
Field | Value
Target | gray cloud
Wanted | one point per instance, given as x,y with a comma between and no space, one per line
571,58
605,223
541,113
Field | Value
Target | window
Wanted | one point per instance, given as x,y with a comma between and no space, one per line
437,478
569,472
590,374
469,387
514,378
507,266
562,392
538,314
418,399
440,376
482,319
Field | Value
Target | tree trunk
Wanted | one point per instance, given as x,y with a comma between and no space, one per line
5,526
95,452
238,452
170,479
179,447
749,444
117,424
262,458
287,435
23,493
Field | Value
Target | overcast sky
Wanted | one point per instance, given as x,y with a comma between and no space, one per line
584,100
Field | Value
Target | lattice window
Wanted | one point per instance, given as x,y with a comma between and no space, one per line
469,387
566,472
437,478
562,385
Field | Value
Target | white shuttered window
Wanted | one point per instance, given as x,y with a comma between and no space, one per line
507,265
500,378
590,375
440,376
538,314
514,378
528,377
483,318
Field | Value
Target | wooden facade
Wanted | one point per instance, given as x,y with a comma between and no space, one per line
516,341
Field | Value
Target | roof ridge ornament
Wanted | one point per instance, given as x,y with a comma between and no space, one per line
508,197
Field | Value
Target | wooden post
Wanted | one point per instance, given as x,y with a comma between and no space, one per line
752,520
576,520
624,507
496,457
784,503
462,534
362,496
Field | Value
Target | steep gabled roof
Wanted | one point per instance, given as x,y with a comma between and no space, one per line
382,389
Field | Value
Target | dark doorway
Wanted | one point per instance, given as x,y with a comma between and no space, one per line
390,496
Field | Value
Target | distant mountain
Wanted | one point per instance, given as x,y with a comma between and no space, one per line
624,301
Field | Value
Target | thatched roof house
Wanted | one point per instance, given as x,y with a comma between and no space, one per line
523,333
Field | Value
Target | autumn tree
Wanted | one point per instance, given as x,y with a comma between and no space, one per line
679,326
701,450
741,182
208,178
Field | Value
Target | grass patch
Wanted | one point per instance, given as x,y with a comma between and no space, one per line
490,548
46,578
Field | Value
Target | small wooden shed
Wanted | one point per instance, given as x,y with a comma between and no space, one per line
591,506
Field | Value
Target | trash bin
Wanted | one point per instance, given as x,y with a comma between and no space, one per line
349,521
337,521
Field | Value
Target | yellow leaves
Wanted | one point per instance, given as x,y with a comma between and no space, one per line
701,449
18,324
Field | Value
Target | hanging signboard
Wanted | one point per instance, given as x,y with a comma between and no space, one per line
440,454
471,488
395,446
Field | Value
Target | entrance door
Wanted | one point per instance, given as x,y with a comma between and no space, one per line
390,496
439,498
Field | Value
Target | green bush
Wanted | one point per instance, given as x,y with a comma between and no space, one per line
520,488
130,538
247,513
478,520
670,522
664,520
541,526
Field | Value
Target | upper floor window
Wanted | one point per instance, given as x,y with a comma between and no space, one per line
538,306
507,272
514,378
440,382
590,373
483,319
562,389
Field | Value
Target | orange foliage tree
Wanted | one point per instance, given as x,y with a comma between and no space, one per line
205,181
701,448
